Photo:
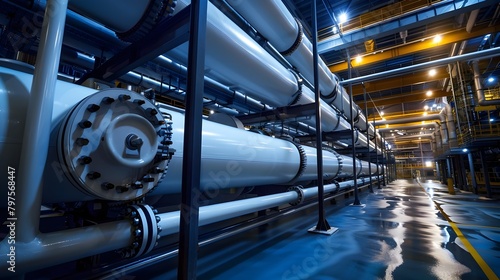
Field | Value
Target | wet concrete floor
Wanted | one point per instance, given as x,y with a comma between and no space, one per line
406,230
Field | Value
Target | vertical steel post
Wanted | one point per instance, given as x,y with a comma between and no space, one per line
485,173
38,122
385,161
351,121
322,225
472,172
189,210
368,138
463,173
376,153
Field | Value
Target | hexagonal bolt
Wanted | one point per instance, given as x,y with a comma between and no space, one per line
139,102
108,100
148,179
137,232
166,142
155,211
133,214
159,229
133,142
85,160
122,189
151,111
124,97
156,170
82,141
107,186
158,219
161,157
135,244
85,124
137,186
93,108
135,221
93,175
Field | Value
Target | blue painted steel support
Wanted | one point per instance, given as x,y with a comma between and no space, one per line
38,123
168,34
433,13
322,224
189,211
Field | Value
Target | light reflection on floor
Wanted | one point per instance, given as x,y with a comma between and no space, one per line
399,234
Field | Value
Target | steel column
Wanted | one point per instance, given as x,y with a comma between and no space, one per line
351,121
486,174
472,172
189,211
38,122
322,225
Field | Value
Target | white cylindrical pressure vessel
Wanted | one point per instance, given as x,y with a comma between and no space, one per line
331,166
234,58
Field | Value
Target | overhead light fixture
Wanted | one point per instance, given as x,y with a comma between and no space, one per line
211,112
428,93
434,105
428,164
342,18
492,120
437,38
486,37
432,72
423,122
425,113
387,125
426,107
491,80
334,29
465,150
358,59
381,113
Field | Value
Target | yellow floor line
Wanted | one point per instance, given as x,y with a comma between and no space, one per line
484,266
478,226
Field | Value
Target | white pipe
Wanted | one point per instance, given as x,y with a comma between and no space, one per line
118,15
49,249
273,20
481,99
234,58
38,125
169,222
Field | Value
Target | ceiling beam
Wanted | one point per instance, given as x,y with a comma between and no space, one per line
418,46
433,13
397,82
403,98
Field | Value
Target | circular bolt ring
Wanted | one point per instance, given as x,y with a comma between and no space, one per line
133,142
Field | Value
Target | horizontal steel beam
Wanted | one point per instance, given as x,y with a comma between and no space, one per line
418,46
433,13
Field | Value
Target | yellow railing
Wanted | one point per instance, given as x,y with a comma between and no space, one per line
385,13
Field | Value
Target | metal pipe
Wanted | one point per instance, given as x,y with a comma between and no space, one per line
38,125
49,249
481,99
484,54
